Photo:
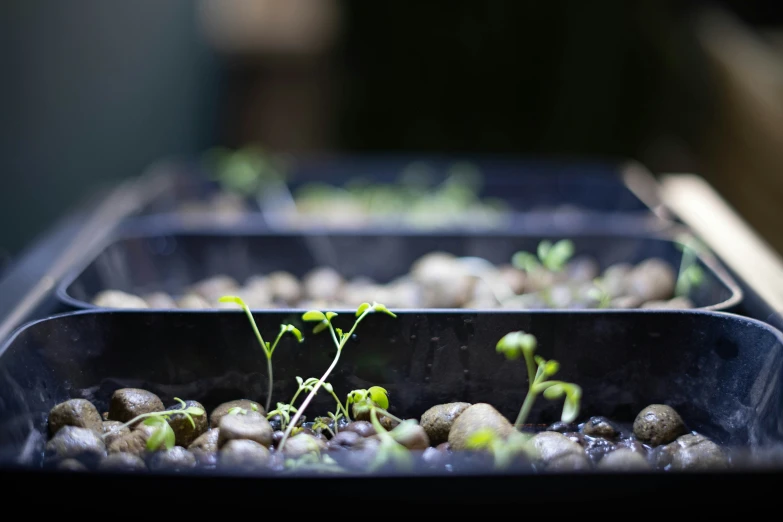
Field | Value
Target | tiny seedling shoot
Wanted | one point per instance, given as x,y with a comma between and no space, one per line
269,349
690,275
552,257
375,401
162,434
324,322
600,293
514,344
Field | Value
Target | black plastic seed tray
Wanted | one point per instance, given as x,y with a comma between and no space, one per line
142,263
721,372
568,193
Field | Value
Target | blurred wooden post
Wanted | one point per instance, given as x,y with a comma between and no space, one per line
742,155
280,75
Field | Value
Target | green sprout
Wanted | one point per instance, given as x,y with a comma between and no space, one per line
162,434
335,422
514,344
284,411
600,293
362,402
314,462
691,274
269,349
389,450
502,450
553,257
323,322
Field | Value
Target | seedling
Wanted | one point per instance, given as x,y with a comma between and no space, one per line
502,450
514,344
268,349
553,257
238,410
159,420
323,322
314,462
362,402
600,293
284,411
690,275
389,450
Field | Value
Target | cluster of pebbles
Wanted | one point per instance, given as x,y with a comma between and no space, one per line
436,280
237,435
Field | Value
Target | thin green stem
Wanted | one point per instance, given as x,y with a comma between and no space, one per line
255,328
531,370
274,345
269,388
526,407
321,381
379,429
387,414
540,387
340,405
296,395
137,418
267,351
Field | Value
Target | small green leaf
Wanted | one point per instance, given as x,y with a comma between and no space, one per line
232,299
314,315
481,439
528,343
509,345
543,249
157,438
362,308
195,410
299,381
379,396
328,387
571,406
154,421
525,261
268,345
169,438
320,327
540,361
236,410
330,315
559,254
378,307
339,332
551,367
695,275
254,407
554,392
291,328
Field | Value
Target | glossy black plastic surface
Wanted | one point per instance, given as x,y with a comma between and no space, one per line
721,372
170,261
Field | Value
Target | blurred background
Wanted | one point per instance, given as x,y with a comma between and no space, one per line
94,91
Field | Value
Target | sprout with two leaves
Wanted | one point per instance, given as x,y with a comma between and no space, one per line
551,256
269,349
159,420
340,338
516,344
